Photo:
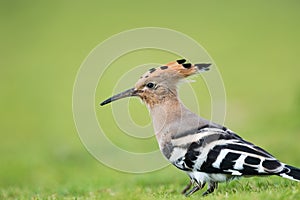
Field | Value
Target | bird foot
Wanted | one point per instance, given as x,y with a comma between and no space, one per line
187,188
193,190
211,188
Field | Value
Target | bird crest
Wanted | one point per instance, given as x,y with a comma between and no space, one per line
172,72
177,69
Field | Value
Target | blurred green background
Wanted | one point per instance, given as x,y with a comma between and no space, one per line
255,44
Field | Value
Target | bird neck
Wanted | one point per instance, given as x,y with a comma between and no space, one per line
171,118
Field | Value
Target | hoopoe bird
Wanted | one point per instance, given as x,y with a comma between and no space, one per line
208,152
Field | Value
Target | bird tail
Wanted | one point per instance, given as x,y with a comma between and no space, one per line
291,173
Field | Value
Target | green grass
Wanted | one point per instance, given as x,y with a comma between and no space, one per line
151,187
255,45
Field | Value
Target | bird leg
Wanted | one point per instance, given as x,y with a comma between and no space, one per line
211,188
187,187
194,189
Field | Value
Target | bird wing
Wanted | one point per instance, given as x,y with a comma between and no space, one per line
222,151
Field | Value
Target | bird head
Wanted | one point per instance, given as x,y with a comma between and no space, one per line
160,84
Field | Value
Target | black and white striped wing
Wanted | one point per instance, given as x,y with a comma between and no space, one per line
221,151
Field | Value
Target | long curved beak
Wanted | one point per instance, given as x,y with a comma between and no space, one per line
128,93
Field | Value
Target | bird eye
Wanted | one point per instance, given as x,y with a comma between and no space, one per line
150,85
